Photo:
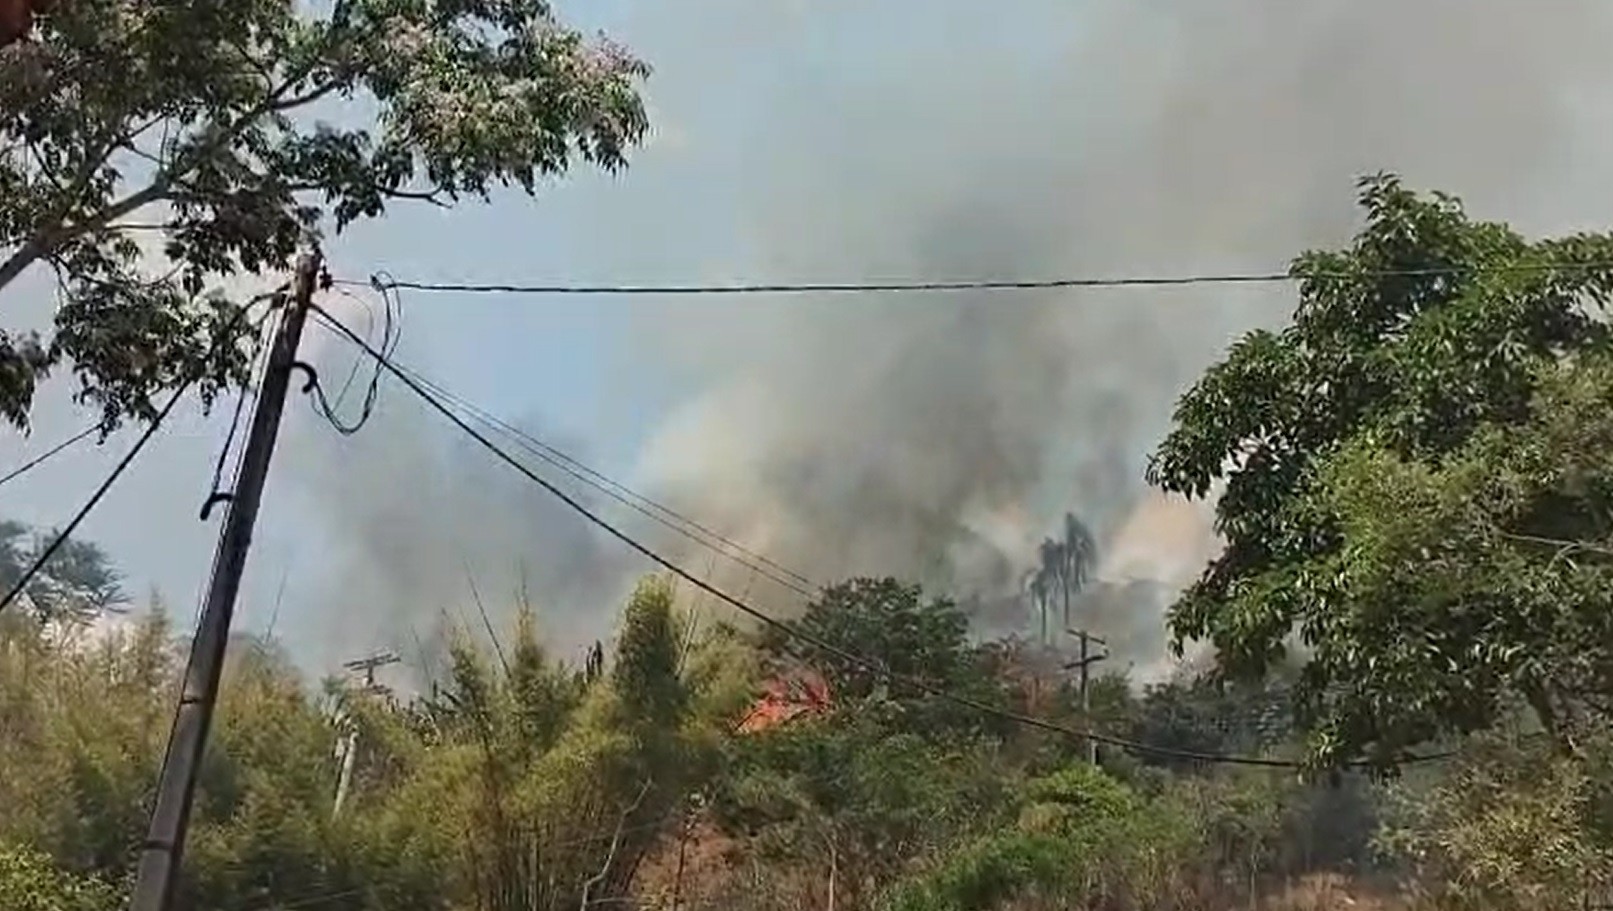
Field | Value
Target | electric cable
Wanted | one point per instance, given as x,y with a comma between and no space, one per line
66,532
621,493
658,512
391,335
61,536
216,492
369,330
794,632
1134,281
48,454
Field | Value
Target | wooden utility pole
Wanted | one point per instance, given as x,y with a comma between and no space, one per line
1085,664
165,840
344,777
368,665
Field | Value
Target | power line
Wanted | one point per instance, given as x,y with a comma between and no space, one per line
61,537
216,493
790,630
48,454
1133,281
391,335
621,493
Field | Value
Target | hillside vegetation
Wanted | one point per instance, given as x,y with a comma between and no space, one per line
533,786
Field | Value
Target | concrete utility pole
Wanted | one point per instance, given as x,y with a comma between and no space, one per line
1085,664
165,840
350,736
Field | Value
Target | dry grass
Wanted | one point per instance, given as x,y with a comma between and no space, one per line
1333,892
710,879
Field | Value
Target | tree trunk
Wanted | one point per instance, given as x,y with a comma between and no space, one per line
1558,728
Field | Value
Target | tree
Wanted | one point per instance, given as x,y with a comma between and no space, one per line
902,636
30,882
1428,336
1064,567
216,125
1079,552
1050,571
78,583
545,791
852,803
1482,578
1081,840
1508,825
1037,587
1204,716
646,675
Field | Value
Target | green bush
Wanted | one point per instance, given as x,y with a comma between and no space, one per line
1082,837
29,881
1512,825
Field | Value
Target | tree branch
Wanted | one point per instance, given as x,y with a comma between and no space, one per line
308,97
50,237
610,855
1565,548
434,197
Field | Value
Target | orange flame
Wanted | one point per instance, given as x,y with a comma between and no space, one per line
786,699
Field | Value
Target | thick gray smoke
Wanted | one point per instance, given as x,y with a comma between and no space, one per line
426,531
940,436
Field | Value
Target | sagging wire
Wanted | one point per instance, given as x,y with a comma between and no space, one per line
391,333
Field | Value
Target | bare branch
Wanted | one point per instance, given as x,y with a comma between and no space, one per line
476,595
610,855
433,197
1564,547
308,97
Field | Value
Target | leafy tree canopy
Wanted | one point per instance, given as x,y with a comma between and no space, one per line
1381,453
78,583
235,129
1203,716
906,635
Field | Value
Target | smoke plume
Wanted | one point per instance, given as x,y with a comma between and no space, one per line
939,437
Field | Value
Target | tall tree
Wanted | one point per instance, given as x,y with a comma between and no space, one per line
900,635
1064,566
1050,572
1078,552
1430,335
234,129
79,583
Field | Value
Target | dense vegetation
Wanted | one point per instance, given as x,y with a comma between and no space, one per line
1417,481
524,783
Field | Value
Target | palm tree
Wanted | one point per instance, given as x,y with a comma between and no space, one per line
1051,575
1077,552
1064,569
1035,585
